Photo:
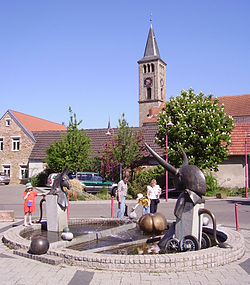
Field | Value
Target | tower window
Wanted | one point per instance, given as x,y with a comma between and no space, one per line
148,67
144,68
153,67
148,93
1,144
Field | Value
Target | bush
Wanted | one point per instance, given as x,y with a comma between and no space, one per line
104,194
39,179
212,184
142,180
76,189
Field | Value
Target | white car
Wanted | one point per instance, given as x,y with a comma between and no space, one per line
51,179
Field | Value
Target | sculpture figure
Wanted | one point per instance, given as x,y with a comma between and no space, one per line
186,233
61,180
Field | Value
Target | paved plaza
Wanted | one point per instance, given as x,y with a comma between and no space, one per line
19,270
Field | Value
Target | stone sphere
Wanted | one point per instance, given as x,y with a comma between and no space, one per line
39,245
66,230
67,236
153,223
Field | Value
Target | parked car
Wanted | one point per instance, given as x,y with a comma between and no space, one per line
4,178
51,179
93,182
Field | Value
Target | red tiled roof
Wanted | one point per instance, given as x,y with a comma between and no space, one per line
98,139
238,136
236,105
152,116
33,124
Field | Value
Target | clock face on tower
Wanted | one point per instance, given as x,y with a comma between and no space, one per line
148,82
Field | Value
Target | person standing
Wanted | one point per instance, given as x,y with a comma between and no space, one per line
153,193
29,203
122,189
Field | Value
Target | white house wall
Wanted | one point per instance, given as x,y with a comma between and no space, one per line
232,172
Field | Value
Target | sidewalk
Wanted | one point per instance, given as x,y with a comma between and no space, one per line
19,270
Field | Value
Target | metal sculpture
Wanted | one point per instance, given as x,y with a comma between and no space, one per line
39,245
61,180
153,223
186,233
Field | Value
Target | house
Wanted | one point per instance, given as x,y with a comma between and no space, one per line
24,138
17,141
234,171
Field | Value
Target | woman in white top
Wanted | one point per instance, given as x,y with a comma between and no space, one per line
153,193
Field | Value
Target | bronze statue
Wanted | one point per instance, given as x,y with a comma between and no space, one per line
186,233
61,180
189,179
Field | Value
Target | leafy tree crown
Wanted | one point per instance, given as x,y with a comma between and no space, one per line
199,125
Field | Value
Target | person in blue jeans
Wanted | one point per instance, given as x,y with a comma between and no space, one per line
122,190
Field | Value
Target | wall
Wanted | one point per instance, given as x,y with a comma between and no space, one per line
35,167
14,158
232,172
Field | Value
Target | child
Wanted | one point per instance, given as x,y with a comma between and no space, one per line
29,202
144,202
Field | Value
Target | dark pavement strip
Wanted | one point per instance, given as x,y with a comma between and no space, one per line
81,278
15,224
246,265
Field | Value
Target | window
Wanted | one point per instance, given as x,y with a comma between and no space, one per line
15,144
23,172
144,68
6,169
7,122
148,67
1,144
149,93
153,67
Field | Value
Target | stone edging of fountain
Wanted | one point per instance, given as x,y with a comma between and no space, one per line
184,261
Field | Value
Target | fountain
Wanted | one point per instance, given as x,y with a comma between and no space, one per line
123,247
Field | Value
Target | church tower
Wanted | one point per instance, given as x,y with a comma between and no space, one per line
152,78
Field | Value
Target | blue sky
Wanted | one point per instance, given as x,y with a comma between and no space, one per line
83,54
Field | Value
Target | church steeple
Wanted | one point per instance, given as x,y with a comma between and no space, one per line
151,49
152,77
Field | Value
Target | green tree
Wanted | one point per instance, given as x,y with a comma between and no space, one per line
199,125
72,151
125,148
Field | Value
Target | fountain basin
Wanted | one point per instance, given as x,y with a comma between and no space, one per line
184,261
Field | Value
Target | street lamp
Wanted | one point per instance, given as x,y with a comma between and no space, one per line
246,166
167,124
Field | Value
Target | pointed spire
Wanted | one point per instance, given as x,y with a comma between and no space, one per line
151,48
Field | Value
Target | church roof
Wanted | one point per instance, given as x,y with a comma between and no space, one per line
151,50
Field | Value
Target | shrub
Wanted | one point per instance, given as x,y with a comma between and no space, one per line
76,189
142,179
212,184
39,179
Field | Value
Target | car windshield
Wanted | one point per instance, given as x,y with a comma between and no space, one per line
98,178
86,177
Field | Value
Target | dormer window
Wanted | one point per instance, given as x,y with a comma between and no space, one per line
7,122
